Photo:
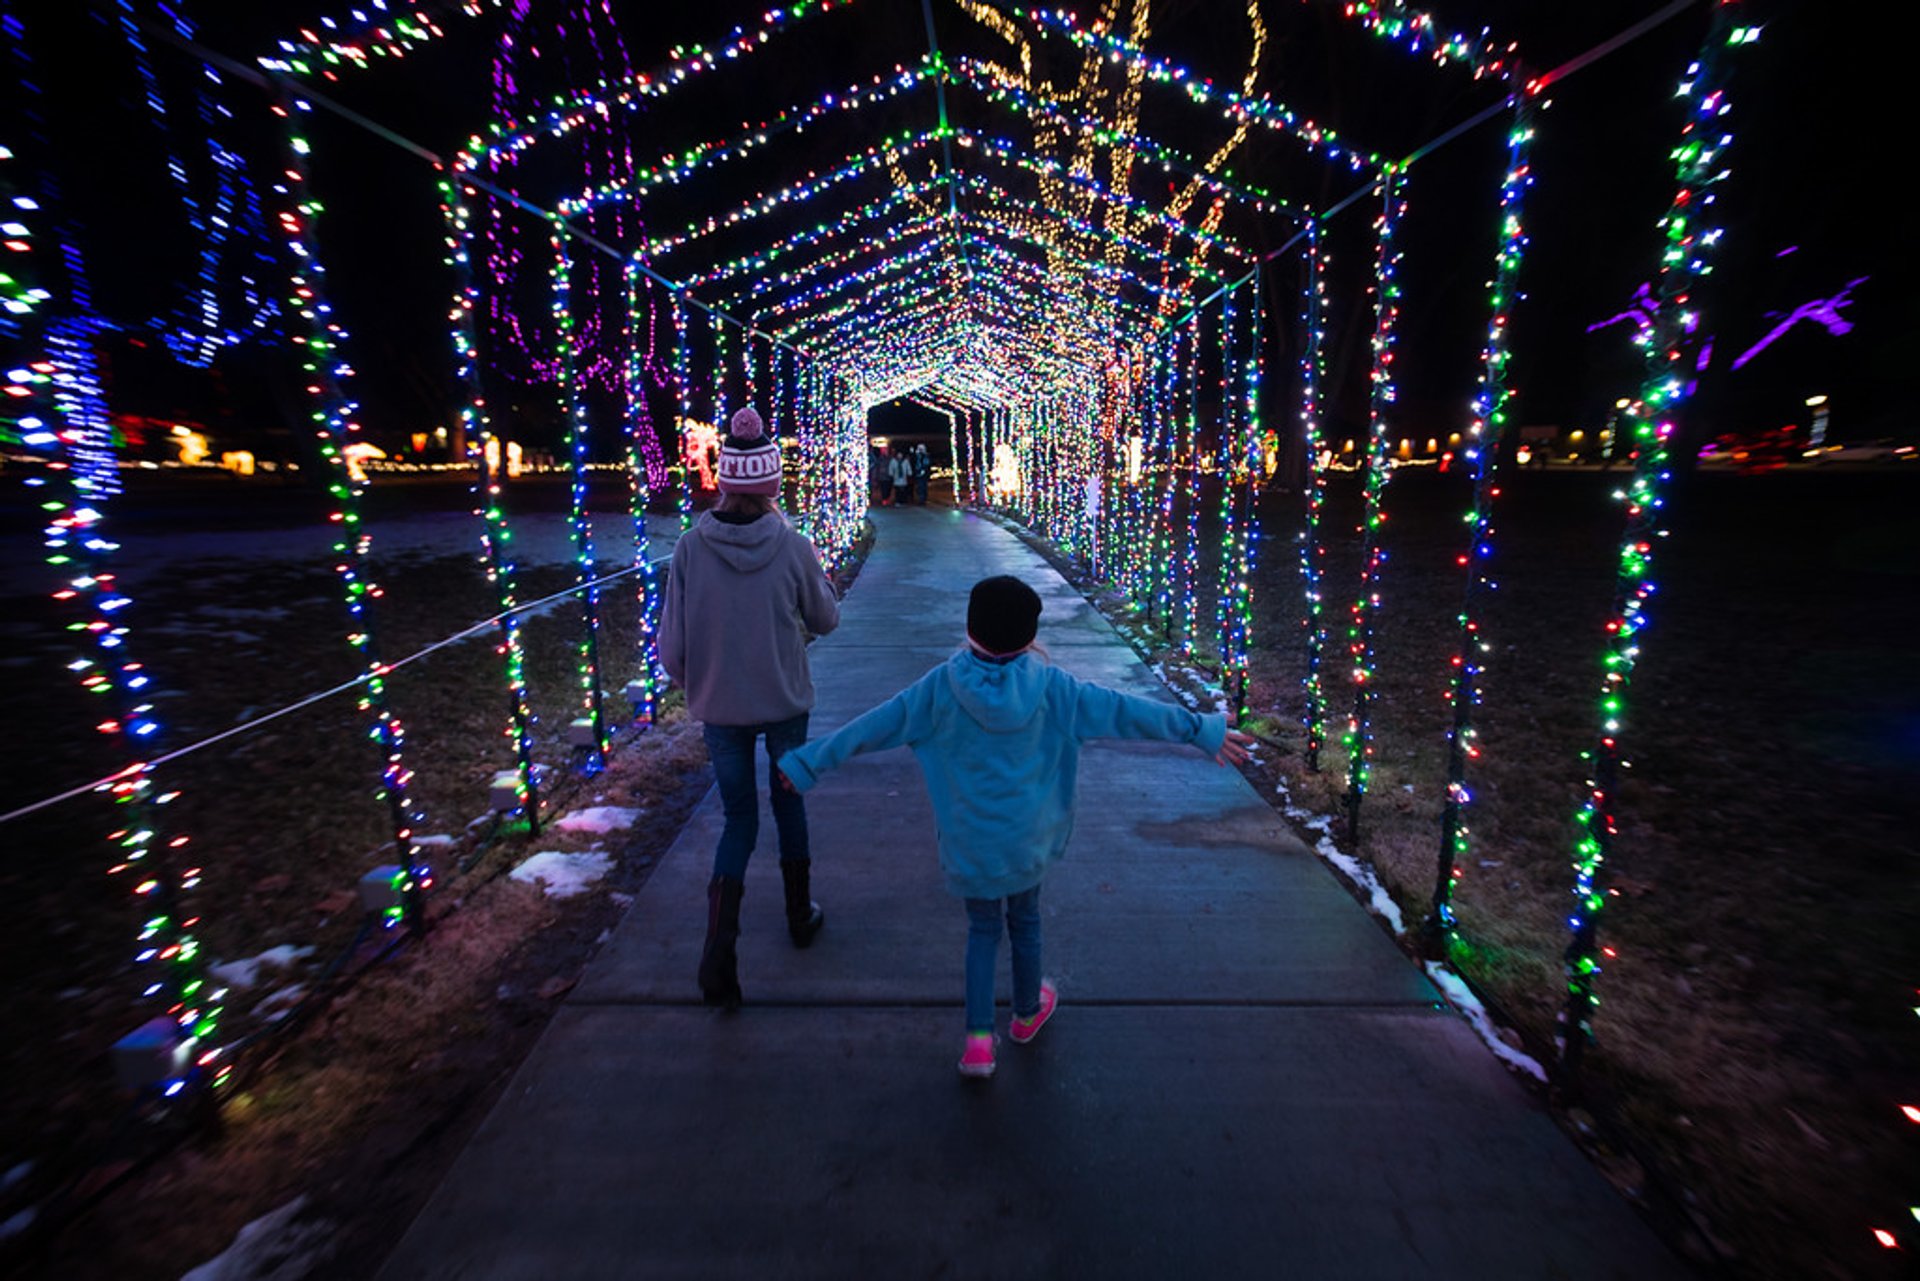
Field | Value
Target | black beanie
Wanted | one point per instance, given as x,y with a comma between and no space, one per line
1002,614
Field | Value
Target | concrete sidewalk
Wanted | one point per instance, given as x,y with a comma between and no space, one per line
1245,1078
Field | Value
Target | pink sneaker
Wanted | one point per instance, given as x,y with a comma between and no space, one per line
977,1060
1024,1030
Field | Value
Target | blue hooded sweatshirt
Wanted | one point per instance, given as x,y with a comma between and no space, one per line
999,743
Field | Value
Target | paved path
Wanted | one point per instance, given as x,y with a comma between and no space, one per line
1245,1078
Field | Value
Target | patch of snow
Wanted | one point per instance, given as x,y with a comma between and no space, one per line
1378,900
563,875
18,1223
271,1248
1461,997
600,818
279,1003
246,972
434,841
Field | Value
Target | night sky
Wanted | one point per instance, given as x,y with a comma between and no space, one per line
1805,211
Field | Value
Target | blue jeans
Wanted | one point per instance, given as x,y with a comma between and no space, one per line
730,748
983,951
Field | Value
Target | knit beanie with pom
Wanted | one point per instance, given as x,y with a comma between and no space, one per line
749,460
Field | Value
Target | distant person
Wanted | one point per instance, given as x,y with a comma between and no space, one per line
878,472
998,733
900,469
744,589
922,469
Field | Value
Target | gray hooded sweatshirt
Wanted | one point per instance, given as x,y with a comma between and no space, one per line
733,629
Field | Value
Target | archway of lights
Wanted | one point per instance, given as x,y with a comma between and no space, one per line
1103,362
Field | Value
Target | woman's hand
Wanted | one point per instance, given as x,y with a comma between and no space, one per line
1234,750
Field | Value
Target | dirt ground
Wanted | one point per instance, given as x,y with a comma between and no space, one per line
1756,1037
363,1108
360,1088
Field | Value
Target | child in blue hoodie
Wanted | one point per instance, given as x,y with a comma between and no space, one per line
997,732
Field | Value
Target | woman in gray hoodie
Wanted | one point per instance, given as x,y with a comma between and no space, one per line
744,590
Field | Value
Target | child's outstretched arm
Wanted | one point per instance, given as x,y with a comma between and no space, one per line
1099,712
1233,751
901,719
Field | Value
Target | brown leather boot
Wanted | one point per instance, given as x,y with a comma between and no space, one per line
719,966
804,917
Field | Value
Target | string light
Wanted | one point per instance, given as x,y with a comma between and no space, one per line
996,84
337,430
376,33
486,452
1256,109
1650,423
674,169
1397,23
1313,548
516,132
52,406
1251,375
1358,736
1480,449
579,521
643,690
227,304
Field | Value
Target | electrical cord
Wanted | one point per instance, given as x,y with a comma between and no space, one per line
384,669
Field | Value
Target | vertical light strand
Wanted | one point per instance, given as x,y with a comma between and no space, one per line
337,429
55,406
953,450
717,330
491,459
1135,527
683,399
750,395
1240,629
1358,738
643,688
1166,428
1227,459
1313,547
1480,449
781,426
1699,162
1190,552
815,477
980,455
588,731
